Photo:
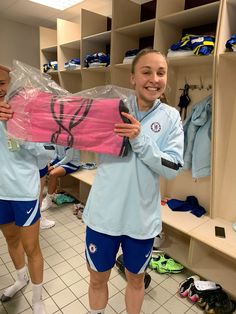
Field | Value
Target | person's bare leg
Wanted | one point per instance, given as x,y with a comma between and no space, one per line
98,289
11,233
42,185
30,241
44,222
53,177
134,293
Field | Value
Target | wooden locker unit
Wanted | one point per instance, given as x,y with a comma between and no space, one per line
129,32
96,37
69,47
48,49
189,240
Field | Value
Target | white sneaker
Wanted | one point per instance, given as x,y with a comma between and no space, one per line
46,223
46,203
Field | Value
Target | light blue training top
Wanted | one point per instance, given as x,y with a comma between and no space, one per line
20,169
125,198
67,155
197,139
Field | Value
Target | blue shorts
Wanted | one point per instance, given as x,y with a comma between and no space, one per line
69,167
101,251
43,172
23,213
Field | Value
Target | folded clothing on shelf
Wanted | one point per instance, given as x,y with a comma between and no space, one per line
97,59
190,204
199,44
231,43
50,66
130,55
72,64
179,53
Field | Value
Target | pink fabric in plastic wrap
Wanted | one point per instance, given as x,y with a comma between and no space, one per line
85,124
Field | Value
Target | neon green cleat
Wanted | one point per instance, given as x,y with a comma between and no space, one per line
165,264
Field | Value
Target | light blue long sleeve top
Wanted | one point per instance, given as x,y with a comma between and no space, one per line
197,146
67,155
20,169
125,196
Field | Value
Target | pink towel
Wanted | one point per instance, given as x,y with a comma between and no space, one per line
85,124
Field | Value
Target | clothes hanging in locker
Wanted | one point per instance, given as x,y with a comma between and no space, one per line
197,142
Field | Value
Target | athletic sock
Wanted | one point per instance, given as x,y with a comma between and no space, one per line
50,196
21,281
97,311
36,292
47,202
38,308
37,303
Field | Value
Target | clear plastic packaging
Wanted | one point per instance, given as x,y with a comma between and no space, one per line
45,112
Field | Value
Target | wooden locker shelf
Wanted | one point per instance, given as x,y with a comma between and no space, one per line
97,69
201,15
182,221
72,44
190,60
104,37
141,29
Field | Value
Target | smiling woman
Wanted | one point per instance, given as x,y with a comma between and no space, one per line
123,207
20,212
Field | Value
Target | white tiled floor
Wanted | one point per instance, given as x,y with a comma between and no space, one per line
66,277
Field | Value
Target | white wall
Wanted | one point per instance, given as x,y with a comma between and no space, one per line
18,41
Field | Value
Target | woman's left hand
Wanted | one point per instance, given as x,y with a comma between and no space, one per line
5,111
130,130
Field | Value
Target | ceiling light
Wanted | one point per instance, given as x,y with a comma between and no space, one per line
58,4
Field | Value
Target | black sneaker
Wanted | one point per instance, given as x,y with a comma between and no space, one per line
219,303
185,285
200,296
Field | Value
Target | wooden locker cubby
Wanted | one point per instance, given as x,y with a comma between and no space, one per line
48,48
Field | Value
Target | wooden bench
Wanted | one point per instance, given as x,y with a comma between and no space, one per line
78,184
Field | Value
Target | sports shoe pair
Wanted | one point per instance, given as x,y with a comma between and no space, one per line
186,285
195,289
165,264
200,289
78,210
217,302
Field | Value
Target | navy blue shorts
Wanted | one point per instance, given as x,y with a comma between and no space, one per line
101,251
23,213
69,167
43,172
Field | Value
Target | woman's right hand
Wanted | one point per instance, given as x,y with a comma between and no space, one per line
6,112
